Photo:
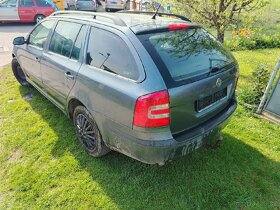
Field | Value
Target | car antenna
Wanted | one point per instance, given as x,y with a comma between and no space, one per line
154,16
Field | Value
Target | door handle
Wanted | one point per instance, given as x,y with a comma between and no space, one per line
37,59
69,75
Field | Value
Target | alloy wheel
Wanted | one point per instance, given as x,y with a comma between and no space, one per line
86,131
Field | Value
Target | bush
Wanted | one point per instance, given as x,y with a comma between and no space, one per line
242,41
250,96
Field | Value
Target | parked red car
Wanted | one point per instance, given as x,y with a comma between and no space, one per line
24,10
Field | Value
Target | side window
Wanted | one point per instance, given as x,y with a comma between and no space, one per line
64,37
109,52
8,3
26,3
39,35
75,54
42,3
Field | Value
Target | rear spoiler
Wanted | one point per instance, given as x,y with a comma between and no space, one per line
160,14
165,28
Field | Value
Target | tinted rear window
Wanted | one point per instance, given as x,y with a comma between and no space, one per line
188,53
109,52
42,3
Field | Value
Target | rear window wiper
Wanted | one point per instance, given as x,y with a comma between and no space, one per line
214,69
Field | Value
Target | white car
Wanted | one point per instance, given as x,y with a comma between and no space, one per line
86,5
111,5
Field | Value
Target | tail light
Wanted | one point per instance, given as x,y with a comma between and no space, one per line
93,3
122,1
180,26
152,110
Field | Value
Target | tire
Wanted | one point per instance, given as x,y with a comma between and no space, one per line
38,18
88,133
18,73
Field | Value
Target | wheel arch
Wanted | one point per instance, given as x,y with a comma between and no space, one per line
81,99
72,104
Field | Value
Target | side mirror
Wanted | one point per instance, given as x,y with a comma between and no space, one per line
19,41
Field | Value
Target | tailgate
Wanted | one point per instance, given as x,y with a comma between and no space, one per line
197,102
199,73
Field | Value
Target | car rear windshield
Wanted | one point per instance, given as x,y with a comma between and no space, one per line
187,53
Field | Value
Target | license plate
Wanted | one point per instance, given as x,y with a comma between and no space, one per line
208,100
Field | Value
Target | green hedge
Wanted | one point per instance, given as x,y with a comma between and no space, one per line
254,42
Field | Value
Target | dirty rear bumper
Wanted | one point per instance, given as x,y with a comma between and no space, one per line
160,151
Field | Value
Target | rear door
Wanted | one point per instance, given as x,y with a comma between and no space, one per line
9,10
27,10
109,78
199,73
60,64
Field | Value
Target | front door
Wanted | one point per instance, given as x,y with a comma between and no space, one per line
26,10
31,57
61,63
9,10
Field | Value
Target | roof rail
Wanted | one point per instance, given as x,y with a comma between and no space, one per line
160,14
116,20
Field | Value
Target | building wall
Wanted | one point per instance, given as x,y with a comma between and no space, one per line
61,4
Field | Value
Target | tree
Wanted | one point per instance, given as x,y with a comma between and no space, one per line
220,14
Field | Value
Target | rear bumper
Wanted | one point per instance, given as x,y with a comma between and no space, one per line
160,151
114,6
86,8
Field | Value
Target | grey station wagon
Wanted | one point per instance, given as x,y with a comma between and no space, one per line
152,87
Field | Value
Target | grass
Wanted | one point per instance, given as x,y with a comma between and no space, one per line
43,167
249,61
268,18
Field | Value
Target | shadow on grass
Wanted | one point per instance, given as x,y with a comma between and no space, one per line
235,175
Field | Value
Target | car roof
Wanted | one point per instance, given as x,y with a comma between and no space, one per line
136,21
